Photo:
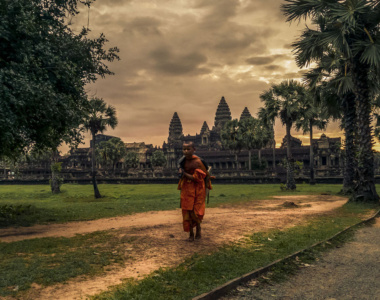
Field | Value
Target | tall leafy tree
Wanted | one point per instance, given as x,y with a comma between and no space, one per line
284,100
230,138
352,28
158,158
253,134
311,115
44,67
131,159
111,152
98,117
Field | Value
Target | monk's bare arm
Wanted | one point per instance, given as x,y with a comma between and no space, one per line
188,176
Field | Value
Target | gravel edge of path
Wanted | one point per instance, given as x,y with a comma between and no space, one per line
222,290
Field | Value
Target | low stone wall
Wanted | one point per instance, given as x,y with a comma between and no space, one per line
220,180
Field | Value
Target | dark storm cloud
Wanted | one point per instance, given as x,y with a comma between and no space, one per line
235,40
144,26
264,60
273,68
178,64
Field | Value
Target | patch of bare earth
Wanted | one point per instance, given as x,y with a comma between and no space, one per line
160,242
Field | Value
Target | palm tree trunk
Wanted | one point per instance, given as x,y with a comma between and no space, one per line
93,168
312,180
364,189
349,131
290,183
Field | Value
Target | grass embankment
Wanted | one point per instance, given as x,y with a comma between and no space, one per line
25,205
202,273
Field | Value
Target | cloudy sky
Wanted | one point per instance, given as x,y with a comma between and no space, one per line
184,55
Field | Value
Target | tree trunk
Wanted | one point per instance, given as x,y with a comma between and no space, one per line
274,150
259,158
55,182
364,190
290,182
349,132
312,180
249,160
5,169
93,169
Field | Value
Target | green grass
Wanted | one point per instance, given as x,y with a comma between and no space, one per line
35,204
51,260
201,273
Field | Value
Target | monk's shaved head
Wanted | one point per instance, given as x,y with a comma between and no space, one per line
189,144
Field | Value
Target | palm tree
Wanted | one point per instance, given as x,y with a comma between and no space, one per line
99,116
311,115
283,100
336,94
332,85
352,28
268,115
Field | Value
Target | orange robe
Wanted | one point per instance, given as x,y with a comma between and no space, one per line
193,193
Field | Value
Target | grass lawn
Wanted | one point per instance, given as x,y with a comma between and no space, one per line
25,205
50,260
47,261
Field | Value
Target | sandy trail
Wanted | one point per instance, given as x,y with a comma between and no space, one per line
160,241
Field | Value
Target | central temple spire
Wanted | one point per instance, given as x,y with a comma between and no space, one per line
223,114
175,129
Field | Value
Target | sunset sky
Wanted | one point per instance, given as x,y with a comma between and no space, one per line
184,55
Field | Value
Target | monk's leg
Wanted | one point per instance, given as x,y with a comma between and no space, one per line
198,234
191,237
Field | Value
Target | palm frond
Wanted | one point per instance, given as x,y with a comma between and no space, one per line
371,53
302,9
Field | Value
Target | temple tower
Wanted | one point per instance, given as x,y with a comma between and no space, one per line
175,129
245,114
222,115
205,134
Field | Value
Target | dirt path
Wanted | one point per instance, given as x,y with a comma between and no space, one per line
349,272
160,241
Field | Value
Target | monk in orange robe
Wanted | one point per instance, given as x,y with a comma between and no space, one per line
193,191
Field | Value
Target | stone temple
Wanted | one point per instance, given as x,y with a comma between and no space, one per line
328,159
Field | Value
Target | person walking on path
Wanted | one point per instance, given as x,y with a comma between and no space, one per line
193,183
